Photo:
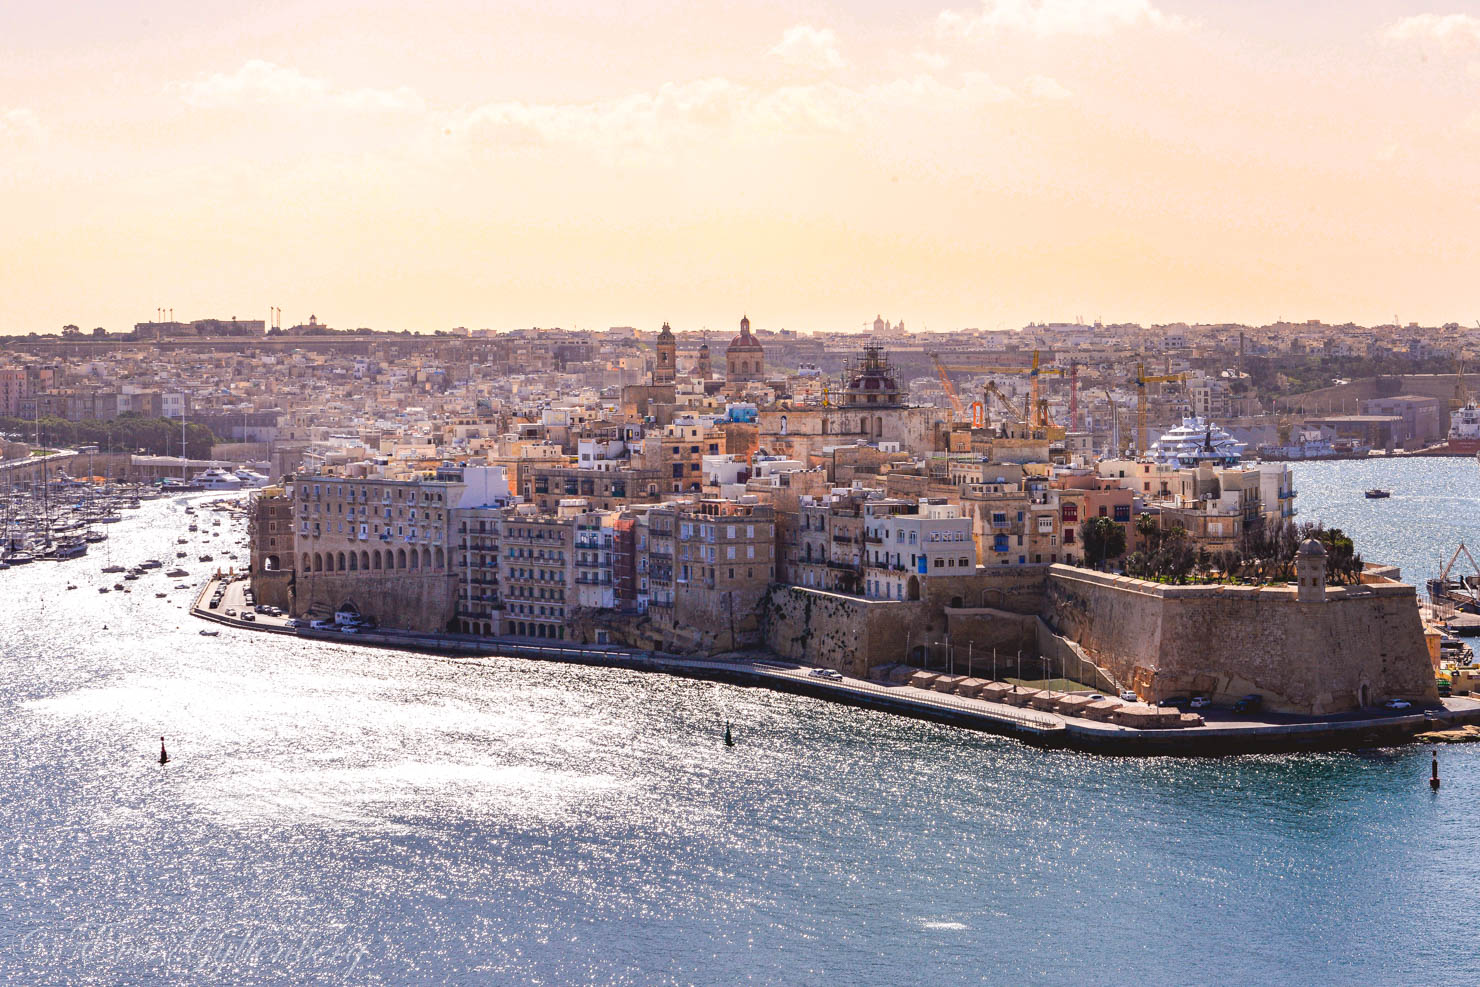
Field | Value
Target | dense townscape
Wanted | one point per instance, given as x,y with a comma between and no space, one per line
867,501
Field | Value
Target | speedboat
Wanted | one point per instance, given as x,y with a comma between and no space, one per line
1377,494
114,568
206,633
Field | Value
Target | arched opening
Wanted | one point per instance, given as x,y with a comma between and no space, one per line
879,427
400,558
912,588
307,563
318,562
863,425
364,560
375,559
415,559
270,563
354,562
441,558
426,558
341,562
824,426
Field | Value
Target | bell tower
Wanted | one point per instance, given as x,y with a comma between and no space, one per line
665,370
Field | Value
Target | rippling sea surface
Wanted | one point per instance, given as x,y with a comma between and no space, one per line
336,814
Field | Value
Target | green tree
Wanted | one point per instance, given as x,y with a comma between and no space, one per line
1103,540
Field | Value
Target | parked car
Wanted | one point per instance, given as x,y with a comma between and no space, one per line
1129,696
1200,702
350,629
231,613
1251,703
1177,701
1398,704
249,616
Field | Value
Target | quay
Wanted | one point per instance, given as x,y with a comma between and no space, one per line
961,706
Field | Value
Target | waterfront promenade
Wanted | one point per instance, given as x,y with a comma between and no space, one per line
1220,736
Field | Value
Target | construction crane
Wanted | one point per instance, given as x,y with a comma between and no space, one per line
1036,414
1141,381
1114,425
950,388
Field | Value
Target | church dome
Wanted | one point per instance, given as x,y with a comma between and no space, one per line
745,341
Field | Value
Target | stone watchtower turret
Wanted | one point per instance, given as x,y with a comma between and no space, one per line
1310,572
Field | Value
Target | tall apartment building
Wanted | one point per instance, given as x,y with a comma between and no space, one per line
536,572
907,544
475,546
381,546
710,563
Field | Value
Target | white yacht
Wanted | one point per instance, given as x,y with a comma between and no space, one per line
217,479
251,478
1194,442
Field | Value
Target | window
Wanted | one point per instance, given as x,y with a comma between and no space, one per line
1123,513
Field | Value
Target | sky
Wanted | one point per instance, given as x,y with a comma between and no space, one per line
950,163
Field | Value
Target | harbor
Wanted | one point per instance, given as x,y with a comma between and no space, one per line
291,754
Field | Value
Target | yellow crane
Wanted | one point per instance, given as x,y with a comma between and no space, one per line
1037,413
1141,381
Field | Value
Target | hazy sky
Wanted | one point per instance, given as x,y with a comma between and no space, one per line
546,162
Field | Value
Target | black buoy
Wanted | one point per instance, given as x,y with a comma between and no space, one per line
1434,773
164,757
729,740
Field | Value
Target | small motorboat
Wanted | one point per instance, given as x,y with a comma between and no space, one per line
206,633
177,573
113,568
160,596
103,589
1376,493
70,586
118,585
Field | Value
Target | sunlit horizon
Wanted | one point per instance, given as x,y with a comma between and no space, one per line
968,165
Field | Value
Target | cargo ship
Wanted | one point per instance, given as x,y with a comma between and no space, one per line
1464,430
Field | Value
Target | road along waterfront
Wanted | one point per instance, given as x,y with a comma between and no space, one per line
339,813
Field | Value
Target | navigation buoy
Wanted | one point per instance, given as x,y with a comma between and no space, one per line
1434,773
729,740
164,757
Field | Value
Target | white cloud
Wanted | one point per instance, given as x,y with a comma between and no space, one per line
260,83
1053,17
932,61
689,114
809,47
1453,32
1046,88
19,124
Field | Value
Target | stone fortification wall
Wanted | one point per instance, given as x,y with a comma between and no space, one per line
1362,646
405,600
853,635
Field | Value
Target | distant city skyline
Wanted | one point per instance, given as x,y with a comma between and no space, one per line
982,164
